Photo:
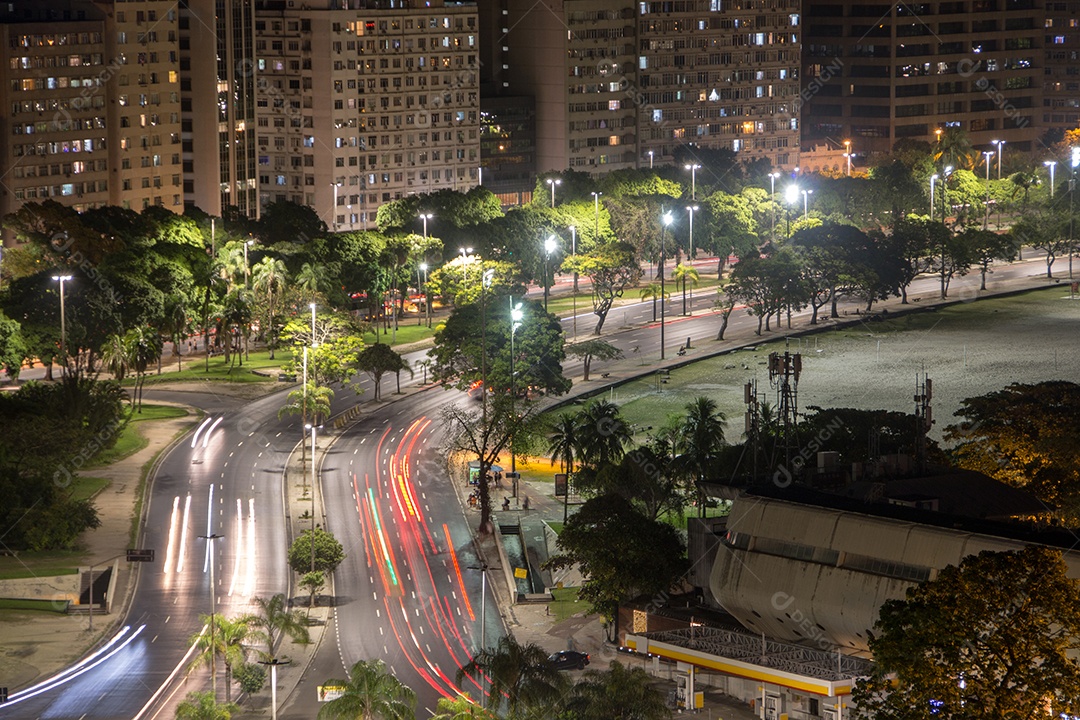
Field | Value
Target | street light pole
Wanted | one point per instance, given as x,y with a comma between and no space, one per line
1050,164
933,181
650,159
693,168
312,427
664,222
333,217
549,246
553,182
1000,145
772,193
427,305
986,215
806,203
464,265
273,663
63,323
690,210
213,613
573,252
847,154
516,314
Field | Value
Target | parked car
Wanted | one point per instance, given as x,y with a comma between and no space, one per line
569,660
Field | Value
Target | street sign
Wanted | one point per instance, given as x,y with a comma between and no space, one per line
560,484
140,555
521,573
330,692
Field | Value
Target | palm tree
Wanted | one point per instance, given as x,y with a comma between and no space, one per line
143,349
564,445
272,619
370,693
520,673
311,279
702,439
114,357
269,277
230,264
1023,182
652,290
226,642
203,706
173,322
684,273
954,148
602,434
617,694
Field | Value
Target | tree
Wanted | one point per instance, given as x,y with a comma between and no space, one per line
370,693
987,247
589,350
225,642
914,239
313,582
251,677
726,299
995,637
520,673
702,436
173,323
654,291
12,347
269,276
621,553
954,148
203,706
953,256
1027,436
1043,230
602,434
644,478
273,619
685,273
618,693
328,552
612,267
377,360
284,221
311,403
143,349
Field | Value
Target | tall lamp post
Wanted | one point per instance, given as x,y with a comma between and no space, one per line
312,427
690,210
213,612
549,247
63,322
847,154
933,181
664,222
772,193
650,159
553,182
424,291
1000,145
806,203
516,314
465,252
791,195
573,252
945,194
693,168
274,663
596,217
247,271
986,214
425,217
333,217
1050,164
1072,219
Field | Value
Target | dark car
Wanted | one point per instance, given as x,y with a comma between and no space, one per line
569,660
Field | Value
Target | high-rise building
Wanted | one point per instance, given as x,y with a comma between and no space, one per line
220,71
878,73
619,84
361,106
93,104
1061,83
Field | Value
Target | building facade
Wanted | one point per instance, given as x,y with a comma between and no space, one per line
1061,81
386,103
93,105
878,73
620,84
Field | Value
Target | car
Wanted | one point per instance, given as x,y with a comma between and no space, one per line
569,660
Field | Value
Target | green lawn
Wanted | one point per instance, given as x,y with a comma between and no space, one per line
41,564
39,605
556,526
131,440
219,371
86,487
408,332
566,603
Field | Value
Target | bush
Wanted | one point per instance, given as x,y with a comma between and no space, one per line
328,552
250,677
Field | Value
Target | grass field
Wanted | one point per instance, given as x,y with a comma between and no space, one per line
220,371
45,564
408,332
86,487
968,349
566,603
131,440
37,605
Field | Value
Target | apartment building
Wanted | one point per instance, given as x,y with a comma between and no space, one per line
879,73
386,103
93,107
1061,81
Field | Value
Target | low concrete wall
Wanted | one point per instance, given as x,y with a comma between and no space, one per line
58,587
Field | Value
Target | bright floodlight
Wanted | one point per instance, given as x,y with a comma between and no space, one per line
1075,157
550,244
791,194
423,267
668,219
516,313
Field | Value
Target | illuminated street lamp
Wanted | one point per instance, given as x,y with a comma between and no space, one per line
806,202
690,210
1050,164
791,196
553,182
650,159
465,252
213,611
986,215
1000,145
425,217
63,323
772,192
933,181
666,220
693,168
516,315
549,247
847,154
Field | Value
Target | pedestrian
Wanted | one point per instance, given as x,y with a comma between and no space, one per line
525,503
506,503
